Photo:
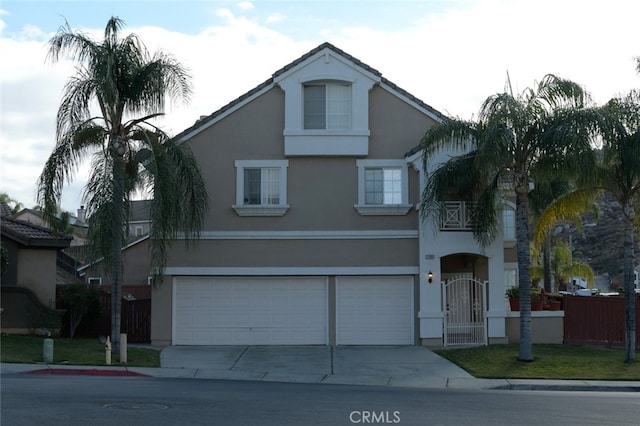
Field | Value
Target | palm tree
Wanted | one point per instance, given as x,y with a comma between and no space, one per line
505,145
545,191
563,266
618,173
129,153
5,198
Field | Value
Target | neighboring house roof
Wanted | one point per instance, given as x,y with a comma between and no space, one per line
204,121
5,210
139,211
73,220
29,234
95,262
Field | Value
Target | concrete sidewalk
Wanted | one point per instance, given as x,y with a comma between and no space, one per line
402,366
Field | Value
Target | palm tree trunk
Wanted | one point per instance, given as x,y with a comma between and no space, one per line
116,278
549,287
524,265
629,290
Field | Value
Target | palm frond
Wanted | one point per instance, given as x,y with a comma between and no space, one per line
562,93
454,134
179,202
567,207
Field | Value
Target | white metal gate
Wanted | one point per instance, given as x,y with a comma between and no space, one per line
465,303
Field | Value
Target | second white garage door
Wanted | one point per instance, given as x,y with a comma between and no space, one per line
374,311
250,311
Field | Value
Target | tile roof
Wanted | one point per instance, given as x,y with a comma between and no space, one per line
5,210
29,234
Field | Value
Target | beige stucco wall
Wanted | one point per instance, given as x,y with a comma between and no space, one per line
37,271
135,267
161,312
296,253
546,327
321,193
136,264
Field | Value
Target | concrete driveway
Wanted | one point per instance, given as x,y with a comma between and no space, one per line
366,365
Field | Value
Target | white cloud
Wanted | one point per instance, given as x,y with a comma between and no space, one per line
245,5
452,60
3,25
275,18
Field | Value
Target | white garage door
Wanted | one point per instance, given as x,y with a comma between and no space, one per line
249,311
374,311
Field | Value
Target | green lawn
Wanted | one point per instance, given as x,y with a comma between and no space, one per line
28,349
550,362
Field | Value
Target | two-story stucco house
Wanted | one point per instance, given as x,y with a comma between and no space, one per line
313,234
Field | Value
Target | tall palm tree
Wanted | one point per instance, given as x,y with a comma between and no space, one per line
127,87
617,172
504,146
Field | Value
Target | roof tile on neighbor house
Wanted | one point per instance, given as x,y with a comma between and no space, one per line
5,210
29,234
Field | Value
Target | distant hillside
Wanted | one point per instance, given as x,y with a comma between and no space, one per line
600,242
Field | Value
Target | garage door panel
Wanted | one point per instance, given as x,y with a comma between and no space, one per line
229,311
374,311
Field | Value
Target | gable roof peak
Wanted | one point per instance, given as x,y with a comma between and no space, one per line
205,120
320,48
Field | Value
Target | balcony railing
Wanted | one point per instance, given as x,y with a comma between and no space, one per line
456,216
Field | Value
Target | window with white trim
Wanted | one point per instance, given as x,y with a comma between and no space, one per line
94,281
383,187
261,187
327,106
508,223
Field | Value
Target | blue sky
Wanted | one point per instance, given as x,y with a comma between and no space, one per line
451,54
192,17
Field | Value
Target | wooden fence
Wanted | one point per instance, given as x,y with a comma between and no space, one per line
135,318
596,320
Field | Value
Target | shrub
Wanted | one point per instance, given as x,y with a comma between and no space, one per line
78,300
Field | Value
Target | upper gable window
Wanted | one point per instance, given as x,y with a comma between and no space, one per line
383,187
327,106
261,187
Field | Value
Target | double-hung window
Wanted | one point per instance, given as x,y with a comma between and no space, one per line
327,106
261,187
383,187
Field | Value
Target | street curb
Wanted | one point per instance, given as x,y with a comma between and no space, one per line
569,388
339,379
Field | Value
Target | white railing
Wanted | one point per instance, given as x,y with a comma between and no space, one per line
456,216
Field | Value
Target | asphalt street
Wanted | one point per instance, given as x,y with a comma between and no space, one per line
29,399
